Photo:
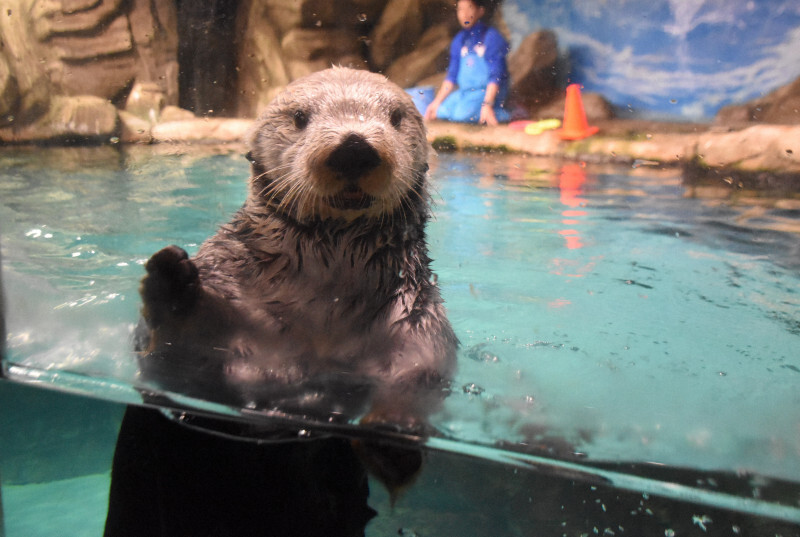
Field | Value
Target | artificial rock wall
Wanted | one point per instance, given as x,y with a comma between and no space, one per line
77,70
65,66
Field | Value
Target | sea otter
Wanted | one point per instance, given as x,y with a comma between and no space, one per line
316,298
324,271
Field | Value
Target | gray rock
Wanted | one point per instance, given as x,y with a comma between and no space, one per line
533,70
781,106
69,119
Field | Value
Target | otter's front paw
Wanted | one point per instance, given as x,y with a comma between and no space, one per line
171,286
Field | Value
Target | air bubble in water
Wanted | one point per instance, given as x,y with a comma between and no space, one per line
701,521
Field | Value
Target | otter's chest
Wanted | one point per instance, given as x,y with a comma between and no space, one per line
336,308
335,299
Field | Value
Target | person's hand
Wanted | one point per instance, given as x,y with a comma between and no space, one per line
430,112
487,116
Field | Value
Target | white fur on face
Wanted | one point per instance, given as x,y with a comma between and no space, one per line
300,130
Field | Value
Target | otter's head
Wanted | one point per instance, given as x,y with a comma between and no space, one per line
340,144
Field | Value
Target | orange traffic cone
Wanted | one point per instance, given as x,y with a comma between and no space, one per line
575,124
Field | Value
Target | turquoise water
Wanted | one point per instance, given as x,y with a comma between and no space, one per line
613,321
636,322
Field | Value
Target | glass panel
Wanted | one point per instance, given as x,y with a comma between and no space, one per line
628,326
615,324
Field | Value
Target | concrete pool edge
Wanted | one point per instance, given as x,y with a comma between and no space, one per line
749,148
744,149
757,148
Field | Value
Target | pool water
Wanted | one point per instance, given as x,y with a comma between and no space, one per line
617,326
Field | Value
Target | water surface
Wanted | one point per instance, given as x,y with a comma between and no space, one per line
609,316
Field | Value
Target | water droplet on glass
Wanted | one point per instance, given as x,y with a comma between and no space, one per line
114,139
472,389
669,532
673,101
361,117
362,17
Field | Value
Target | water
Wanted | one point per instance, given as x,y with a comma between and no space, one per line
621,332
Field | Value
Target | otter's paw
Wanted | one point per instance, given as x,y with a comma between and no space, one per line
394,465
171,286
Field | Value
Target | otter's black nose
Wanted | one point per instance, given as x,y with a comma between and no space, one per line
353,158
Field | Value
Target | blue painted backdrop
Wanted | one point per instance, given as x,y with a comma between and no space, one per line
675,58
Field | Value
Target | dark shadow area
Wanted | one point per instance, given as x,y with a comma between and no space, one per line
169,480
207,56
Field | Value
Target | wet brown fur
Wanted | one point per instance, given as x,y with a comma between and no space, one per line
325,268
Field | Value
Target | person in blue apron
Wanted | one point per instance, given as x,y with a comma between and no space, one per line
476,85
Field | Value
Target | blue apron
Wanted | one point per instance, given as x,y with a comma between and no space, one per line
464,104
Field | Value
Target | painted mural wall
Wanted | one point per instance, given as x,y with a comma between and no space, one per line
670,58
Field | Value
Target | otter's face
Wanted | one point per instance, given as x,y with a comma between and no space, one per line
340,144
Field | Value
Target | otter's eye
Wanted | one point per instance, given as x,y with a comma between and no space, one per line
396,118
300,119
249,157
